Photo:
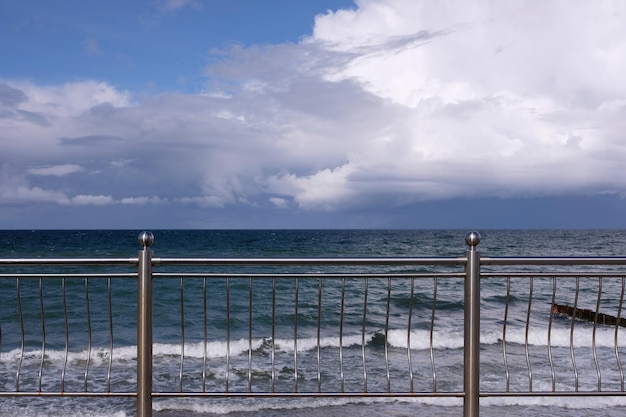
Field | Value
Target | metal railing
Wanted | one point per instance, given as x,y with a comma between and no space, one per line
253,327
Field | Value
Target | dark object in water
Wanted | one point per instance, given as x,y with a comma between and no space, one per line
588,315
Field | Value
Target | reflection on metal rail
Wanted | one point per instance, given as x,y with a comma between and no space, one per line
260,327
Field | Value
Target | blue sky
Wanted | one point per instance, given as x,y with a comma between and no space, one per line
321,114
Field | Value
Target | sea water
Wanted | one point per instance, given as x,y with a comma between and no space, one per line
204,364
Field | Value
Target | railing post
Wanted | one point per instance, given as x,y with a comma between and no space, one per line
144,327
471,359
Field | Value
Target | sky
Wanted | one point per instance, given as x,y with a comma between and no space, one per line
312,114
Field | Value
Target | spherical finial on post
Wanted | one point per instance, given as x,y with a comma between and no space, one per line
472,239
146,239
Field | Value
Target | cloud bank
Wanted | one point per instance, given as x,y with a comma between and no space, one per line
388,104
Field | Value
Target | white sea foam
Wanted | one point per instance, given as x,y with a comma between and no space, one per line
97,356
537,336
214,349
25,412
489,406
420,339
311,343
234,406
581,403
562,337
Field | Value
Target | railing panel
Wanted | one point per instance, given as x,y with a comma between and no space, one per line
552,339
301,334
60,332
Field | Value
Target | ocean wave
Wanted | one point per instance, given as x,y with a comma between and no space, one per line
396,338
563,337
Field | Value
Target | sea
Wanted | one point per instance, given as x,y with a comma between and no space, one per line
308,338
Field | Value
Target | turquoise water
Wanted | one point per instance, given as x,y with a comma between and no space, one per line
297,333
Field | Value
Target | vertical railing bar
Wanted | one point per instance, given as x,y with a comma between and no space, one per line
319,326
363,334
431,335
144,326
204,333
182,334
526,344
295,338
227,332
550,320
88,333
273,347
617,326
250,334
593,336
408,334
387,334
22,335
341,316
471,354
507,375
110,365
43,334
67,334
571,336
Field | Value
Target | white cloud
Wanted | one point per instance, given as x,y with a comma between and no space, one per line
142,201
121,163
279,202
325,190
393,102
23,194
92,200
56,170
69,99
16,189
